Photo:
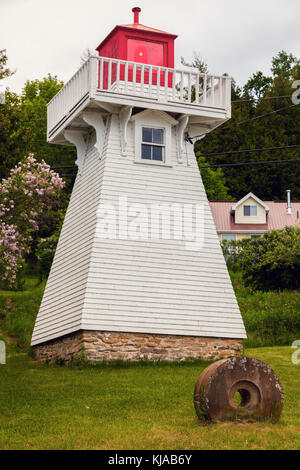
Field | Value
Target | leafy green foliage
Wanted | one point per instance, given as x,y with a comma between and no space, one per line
26,197
4,70
271,318
23,128
214,182
269,182
46,247
35,96
271,261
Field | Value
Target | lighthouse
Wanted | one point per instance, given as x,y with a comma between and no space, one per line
138,271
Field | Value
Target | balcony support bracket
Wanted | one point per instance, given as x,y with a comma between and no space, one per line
180,130
96,121
125,115
76,138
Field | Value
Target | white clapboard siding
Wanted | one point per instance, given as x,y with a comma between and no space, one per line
142,286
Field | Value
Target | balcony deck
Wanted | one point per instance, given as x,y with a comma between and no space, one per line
109,84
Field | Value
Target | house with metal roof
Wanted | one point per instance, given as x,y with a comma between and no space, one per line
251,217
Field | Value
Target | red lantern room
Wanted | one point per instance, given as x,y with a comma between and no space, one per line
138,43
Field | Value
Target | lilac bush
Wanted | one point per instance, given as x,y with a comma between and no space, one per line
31,190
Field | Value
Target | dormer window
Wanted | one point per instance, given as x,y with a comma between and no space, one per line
249,211
153,144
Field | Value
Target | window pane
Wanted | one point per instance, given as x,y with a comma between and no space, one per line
158,136
147,134
250,211
147,52
247,211
157,153
146,152
228,237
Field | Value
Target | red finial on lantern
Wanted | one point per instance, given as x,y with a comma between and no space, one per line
136,12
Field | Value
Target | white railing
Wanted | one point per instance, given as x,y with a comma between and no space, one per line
101,76
68,97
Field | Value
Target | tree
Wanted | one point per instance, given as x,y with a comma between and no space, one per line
213,180
16,135
26,197
271,261
274,129
257,85
4,71
283,64
35,96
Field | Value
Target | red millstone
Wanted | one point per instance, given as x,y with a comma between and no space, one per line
259,388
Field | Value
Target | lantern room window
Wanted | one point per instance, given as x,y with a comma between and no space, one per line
146,52
153,144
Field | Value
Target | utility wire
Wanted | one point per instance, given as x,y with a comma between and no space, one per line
265,149
261,99
264,162
249,120
260,117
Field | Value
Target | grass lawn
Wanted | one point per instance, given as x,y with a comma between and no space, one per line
131,407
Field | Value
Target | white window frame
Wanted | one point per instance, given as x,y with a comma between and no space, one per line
250,205
154,123
153,144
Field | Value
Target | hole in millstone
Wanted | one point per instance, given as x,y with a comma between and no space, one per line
242,397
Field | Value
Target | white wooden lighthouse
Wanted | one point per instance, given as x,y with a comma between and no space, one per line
138,271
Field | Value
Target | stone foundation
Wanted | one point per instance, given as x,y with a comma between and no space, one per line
109,346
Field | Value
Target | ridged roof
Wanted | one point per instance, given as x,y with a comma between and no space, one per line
277,217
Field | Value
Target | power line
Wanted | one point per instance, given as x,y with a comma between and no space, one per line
261,116
261,99
264,162
249,120
265,149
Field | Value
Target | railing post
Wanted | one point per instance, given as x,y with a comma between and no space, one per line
101,74
92,75
174,83
189,87
118,74
150,80
109,74
227,98
142,79
166,84
158,82
134,77
126,76
197,88
181,86
204,89
221,100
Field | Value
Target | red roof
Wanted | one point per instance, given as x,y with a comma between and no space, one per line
142,27
277,217
135,27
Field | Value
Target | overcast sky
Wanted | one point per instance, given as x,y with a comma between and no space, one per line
234,36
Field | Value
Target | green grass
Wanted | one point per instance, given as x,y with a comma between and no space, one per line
137,406
131,407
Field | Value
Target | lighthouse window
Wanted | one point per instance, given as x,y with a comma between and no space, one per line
153,147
